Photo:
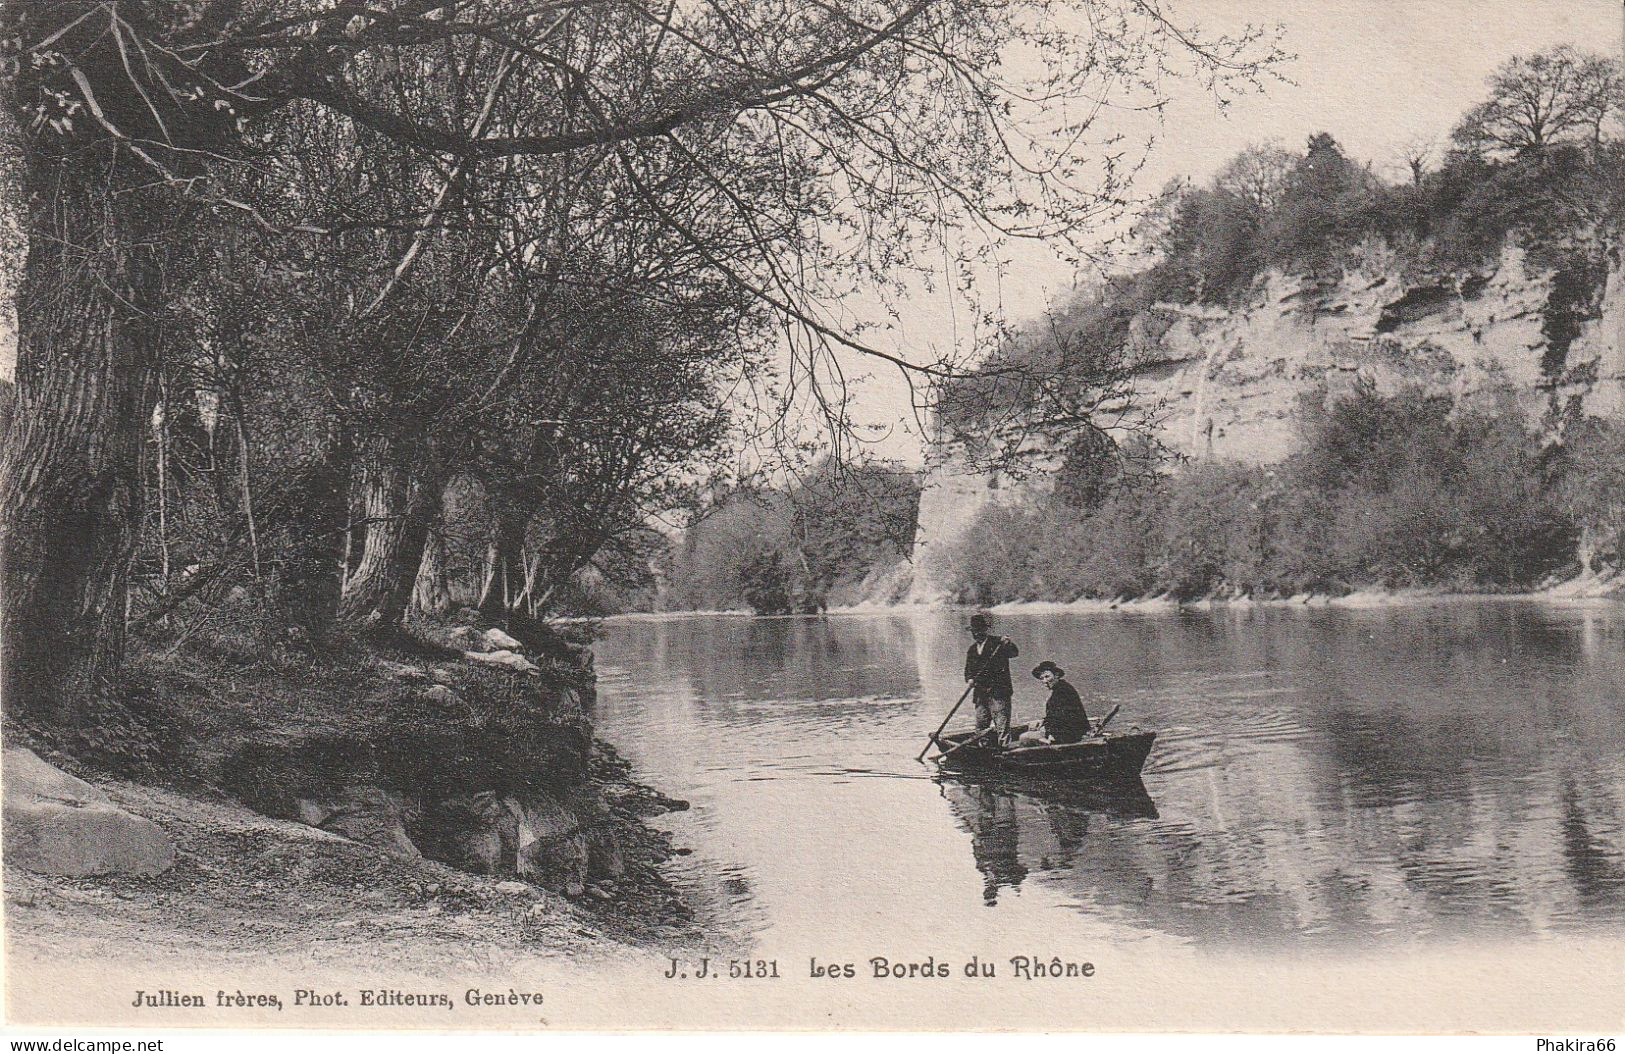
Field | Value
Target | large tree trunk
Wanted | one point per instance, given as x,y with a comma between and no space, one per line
430,593
87,141
70,494
401,498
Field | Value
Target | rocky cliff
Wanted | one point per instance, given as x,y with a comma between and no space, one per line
1225,383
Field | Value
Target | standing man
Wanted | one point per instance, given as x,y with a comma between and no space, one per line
987,666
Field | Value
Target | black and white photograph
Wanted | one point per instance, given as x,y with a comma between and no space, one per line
1028,516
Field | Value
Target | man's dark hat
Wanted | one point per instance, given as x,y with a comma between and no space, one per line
1047,665
981,621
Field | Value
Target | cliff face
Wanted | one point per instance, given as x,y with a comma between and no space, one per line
1226,384
1229,382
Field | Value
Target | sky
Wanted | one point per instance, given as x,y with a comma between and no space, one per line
1376,74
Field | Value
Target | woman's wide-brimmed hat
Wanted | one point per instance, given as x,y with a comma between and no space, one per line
1050,666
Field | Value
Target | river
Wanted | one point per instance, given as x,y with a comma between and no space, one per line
1323,777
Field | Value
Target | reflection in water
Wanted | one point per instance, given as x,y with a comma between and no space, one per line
1016,832
995,835
1320,776
1596,873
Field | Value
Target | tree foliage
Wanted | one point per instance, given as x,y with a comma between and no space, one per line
1306,212
1536,102
353,256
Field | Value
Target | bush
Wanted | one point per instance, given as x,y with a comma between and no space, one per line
1591,489
1123,563
994,560
1395,491
1423,494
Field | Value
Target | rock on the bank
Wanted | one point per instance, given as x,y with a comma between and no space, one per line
446,700
551,842
471,832
502,641
605,858
559,843
511,659
57,824
366,814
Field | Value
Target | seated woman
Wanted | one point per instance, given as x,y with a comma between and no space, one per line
1064,718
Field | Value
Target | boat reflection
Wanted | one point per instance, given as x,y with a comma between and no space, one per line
1020,827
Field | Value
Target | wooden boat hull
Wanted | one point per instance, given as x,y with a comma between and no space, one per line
1114,755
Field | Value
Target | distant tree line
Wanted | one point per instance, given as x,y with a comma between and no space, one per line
1387,491
796,549
1538,160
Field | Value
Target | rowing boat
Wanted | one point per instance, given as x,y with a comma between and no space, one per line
1112,754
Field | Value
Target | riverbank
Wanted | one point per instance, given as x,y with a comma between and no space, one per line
1605,588
440,793
250,889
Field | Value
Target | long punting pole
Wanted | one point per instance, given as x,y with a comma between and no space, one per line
934,740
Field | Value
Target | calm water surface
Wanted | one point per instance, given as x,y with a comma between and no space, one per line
1321,777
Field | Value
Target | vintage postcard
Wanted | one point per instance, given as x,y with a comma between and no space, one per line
1032,515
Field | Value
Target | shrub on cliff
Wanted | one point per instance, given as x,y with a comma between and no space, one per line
1548,202
1211,248
1324,209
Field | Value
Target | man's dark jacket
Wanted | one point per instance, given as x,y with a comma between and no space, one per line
1064,716
991,667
